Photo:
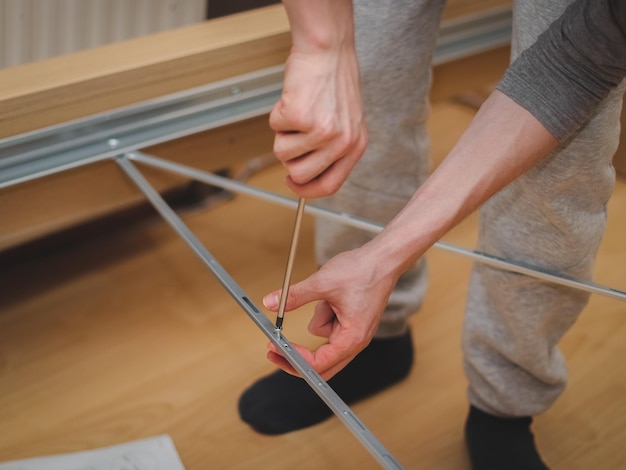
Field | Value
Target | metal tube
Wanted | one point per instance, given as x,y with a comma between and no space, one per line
315,381
375,227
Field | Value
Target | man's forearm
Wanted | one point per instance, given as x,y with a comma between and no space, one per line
502,142
319,25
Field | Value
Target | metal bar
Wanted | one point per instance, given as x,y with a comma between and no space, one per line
315,381
375,227
76,143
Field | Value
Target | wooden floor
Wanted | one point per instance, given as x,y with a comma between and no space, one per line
128,335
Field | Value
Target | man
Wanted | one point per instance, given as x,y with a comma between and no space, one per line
546,135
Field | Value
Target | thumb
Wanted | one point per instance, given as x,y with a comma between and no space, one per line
298,295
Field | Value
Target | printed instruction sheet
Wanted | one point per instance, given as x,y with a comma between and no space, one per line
156,453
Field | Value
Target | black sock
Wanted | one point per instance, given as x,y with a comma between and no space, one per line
496,443
280,403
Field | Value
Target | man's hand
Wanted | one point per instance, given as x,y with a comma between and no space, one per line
320,132
319,123
352,296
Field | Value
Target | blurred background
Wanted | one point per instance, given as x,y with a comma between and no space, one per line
38,29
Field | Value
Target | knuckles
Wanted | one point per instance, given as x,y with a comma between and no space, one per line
361,341
326,131
330,184
280,151
335,139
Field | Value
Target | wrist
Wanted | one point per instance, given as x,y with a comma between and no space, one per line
320,25
408,235
385,257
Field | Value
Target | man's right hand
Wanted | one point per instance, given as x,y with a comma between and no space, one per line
319,123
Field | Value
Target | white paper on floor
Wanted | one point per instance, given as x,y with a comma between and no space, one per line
155,453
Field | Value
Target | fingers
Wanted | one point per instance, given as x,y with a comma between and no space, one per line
298,295
347,313
318,156
326,183
281,362
306,156
327,360
284,119
323,321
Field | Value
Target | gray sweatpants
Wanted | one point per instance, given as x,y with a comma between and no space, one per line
553,217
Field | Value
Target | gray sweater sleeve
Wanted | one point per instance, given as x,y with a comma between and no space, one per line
572,66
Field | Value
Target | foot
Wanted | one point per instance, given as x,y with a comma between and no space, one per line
280,403
496,443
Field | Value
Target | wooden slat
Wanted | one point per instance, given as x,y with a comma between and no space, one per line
48,92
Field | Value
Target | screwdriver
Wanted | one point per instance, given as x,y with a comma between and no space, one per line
289,269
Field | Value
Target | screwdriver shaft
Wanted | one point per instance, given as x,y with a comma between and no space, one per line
290,260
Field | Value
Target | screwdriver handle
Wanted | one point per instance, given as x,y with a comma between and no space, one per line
290,260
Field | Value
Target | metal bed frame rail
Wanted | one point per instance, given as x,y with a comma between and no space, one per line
315,381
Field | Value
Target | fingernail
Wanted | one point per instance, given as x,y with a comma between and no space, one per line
270,301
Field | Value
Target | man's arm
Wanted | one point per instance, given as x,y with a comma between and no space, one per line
319,124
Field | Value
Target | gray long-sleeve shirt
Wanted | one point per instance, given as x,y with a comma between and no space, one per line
572,66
